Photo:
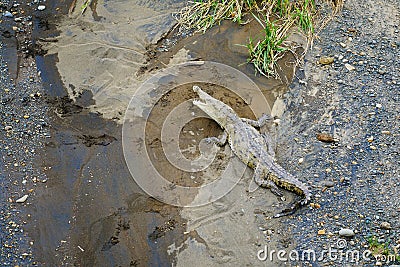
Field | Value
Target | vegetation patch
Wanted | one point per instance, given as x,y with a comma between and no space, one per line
382,251
277,18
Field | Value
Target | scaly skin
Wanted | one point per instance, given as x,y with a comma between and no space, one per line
251,148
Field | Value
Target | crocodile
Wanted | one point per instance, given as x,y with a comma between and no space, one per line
252,148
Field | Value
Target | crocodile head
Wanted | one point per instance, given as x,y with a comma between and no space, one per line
217,110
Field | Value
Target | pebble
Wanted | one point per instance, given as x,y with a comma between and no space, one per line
321,232
326,60
41,7
346,232
386,226
370,139
8,128
7,14
378,105
22,199
301,160
327,183
343,45
349,67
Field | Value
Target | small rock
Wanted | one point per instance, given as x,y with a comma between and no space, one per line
327,183
8,128
370,139
386,226
22,199
386,132
346,232
41,7
7,14
378,105
349,67
301,160
343,45
324,137
321,232
326,60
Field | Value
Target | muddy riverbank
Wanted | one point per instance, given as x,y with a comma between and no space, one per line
86,210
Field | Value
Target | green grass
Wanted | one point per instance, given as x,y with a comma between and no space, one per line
265,53
276,17
378,248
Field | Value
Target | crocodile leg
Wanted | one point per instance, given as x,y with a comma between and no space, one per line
258,123
270,144
259,179
218,141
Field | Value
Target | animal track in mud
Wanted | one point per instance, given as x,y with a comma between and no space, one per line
102,140
122,225
160,231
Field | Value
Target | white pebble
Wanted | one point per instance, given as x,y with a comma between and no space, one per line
22,199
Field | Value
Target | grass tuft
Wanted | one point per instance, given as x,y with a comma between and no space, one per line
278,17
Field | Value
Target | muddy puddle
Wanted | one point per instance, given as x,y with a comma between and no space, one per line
92,213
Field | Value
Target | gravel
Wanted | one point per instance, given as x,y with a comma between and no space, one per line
22,134
357,102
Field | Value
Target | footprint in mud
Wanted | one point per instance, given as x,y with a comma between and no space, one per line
160,231
122,225
102,140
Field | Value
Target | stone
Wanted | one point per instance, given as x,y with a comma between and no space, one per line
349,67
386,226
41,7
326,60
346,232
22,199
327,183
7,14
